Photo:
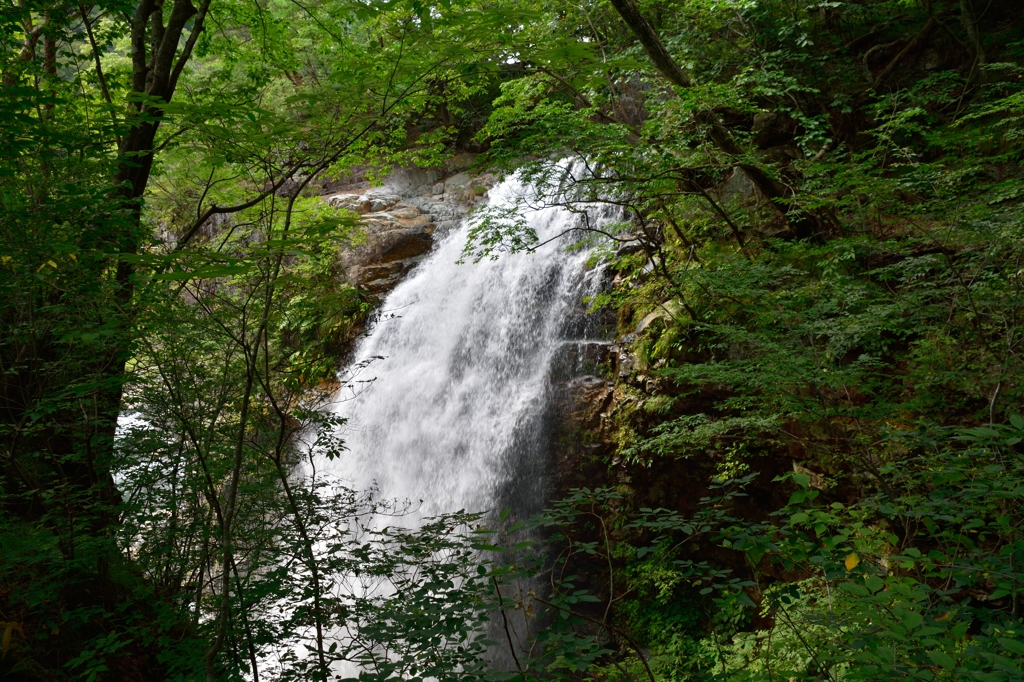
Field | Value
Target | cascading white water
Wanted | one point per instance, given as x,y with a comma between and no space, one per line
458,369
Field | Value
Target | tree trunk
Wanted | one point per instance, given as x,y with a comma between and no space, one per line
970,21
59,439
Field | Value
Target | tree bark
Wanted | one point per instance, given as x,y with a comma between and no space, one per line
651,42
970,21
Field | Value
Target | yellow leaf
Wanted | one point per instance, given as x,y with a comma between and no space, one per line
5,259
851,562
51,263
6,643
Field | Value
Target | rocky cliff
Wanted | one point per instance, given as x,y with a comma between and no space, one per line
402,217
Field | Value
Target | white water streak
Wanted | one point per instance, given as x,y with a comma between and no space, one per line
459,392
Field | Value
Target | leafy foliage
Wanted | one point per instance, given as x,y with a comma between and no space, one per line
818,252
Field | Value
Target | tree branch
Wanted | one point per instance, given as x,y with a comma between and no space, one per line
214,210
186,52
612,628
504,619
139,65
970,22
96,55
163,60
651,42
583,98
915,43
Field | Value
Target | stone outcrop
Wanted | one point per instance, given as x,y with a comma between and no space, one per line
401,218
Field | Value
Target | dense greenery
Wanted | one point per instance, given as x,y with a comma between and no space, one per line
831,289
814,467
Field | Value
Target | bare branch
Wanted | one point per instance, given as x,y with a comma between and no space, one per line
96,55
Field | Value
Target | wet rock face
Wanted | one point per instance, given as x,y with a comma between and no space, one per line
588,400
401,219
582,402
584,434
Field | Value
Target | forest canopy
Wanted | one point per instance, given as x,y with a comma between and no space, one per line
811,465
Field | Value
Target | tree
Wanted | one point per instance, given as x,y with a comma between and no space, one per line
90,123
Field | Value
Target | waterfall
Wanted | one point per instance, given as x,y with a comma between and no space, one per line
450,408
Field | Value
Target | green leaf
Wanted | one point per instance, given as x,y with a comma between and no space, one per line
912,619
1014,645
942,659
488,548
874,583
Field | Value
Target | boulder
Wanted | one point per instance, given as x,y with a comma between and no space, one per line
772,128
669,311
738,187
402,244
459,162
370,201
407,182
